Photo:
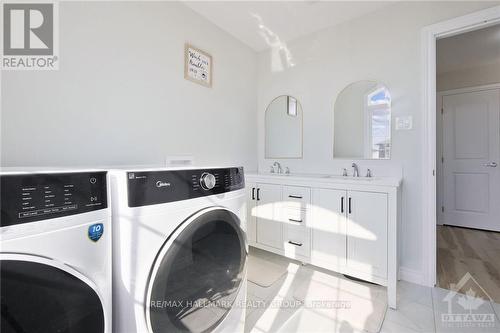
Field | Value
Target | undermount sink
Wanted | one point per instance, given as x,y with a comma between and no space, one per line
333,177
350,177
303,179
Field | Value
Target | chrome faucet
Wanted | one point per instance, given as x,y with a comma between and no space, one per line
368,173
355,172
278,166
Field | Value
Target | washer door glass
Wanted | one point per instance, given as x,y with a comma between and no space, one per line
37,297
199,275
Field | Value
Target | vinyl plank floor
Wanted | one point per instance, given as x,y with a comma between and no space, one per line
477,252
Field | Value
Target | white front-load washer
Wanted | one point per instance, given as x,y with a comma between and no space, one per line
55,252
180,250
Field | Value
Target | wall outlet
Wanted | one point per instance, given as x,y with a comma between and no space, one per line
404,123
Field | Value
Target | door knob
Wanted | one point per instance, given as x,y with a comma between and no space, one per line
491,165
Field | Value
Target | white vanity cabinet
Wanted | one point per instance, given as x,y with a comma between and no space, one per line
269,230
277,219
349,232
251,189
366,230
344,225
263,215
295,212
329,229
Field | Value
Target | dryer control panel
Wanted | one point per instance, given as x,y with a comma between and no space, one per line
34,197
157,187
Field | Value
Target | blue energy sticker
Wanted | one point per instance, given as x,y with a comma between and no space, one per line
96,231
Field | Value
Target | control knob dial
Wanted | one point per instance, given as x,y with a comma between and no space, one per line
207,181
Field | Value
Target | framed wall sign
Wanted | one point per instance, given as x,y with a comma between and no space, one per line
197,66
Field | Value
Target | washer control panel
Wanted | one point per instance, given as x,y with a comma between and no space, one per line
156,187
34,197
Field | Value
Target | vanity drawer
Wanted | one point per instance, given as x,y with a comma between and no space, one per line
297,196
296,241
294,216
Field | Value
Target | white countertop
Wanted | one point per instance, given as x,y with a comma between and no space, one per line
334,179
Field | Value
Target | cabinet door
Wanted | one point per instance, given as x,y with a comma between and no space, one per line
269,226
251,212
367,233
329,228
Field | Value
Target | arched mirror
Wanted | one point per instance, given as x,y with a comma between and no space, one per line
362,122
283,135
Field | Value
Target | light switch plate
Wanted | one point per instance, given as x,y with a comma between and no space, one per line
404,123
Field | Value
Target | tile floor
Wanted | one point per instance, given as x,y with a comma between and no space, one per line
420,309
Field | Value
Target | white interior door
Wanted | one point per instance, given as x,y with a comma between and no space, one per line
471,151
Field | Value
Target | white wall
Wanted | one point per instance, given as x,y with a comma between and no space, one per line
120,96
370,47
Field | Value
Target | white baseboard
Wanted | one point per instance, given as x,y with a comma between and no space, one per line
411,275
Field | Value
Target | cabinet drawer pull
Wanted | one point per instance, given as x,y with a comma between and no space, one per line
253,193
293,243
295,196
342,205
294,220
258,194
350,206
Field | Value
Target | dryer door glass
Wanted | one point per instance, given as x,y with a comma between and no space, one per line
196,279
37,297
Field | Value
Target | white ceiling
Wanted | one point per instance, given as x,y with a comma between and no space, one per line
261,24
475,48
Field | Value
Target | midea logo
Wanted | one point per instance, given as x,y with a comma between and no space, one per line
161,184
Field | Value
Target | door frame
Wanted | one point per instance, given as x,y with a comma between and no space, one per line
429,36
440,149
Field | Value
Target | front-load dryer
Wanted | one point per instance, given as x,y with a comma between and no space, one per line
55,252
180,250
